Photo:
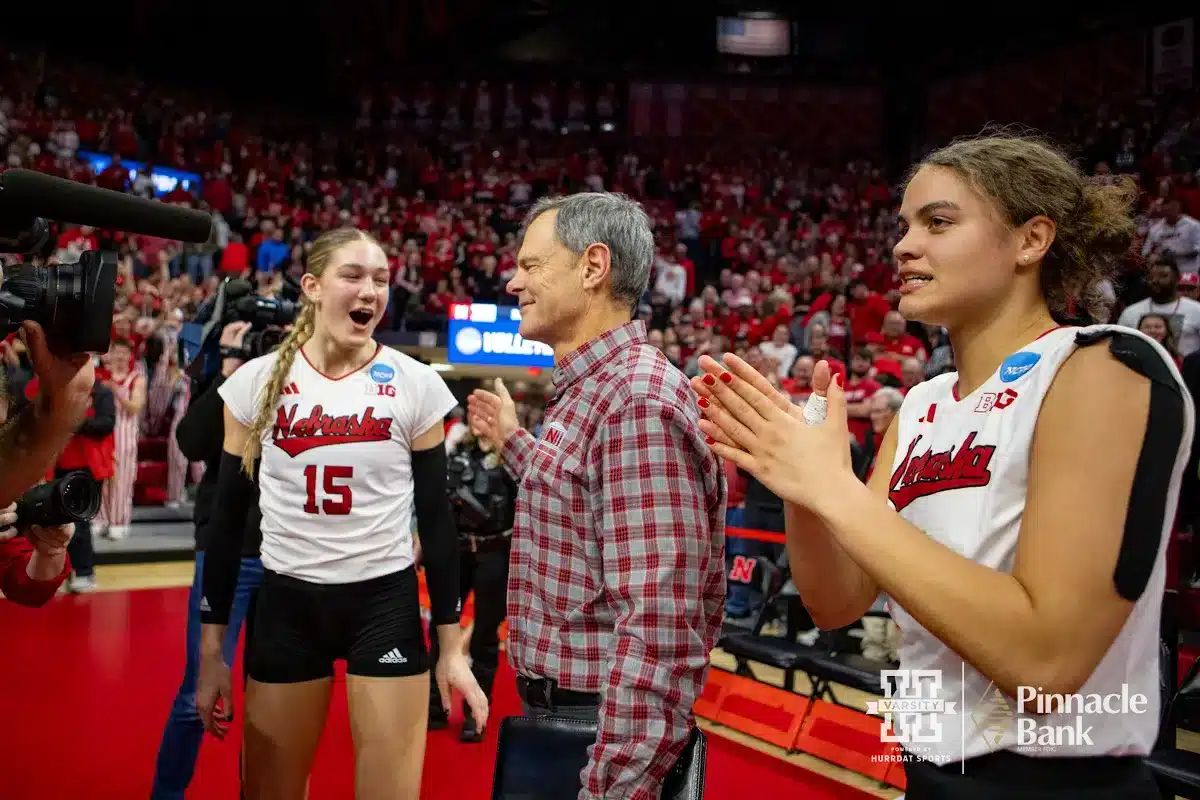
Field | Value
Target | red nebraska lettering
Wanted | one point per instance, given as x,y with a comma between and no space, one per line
318,429
933,472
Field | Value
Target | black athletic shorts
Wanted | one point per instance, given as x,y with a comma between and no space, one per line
1005,775
301,628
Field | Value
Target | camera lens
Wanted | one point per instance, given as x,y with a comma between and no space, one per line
72,302
77,497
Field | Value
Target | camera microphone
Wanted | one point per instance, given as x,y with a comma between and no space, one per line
27,195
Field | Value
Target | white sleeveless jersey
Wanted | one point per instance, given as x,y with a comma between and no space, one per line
960,475
336,483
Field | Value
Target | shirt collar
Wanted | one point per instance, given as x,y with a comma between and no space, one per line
580,361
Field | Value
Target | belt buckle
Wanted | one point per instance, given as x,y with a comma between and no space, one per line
548,687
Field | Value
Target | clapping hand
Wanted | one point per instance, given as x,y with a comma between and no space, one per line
756,427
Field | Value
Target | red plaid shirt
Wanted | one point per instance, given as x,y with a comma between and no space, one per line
616,582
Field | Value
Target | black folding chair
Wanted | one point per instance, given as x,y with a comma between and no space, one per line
540,758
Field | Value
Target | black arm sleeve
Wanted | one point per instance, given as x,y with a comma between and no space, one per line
104,418
205,415
435,527
226,530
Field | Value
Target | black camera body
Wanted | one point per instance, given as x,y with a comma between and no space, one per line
72,302
267,318
236,301
75,497
483,498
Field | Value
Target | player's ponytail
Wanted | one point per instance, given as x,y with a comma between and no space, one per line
300,333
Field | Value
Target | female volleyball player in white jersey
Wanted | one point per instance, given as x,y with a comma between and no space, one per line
347,436
1019,518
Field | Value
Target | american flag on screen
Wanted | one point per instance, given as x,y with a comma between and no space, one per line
753,37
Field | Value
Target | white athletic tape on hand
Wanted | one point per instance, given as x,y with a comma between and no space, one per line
814,409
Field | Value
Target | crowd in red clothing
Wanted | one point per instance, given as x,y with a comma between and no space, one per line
762,253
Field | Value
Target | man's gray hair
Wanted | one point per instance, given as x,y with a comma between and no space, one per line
893,396
610,219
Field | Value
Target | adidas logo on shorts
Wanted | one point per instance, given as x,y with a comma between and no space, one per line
393,656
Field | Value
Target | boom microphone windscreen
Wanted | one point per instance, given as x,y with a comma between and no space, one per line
35,194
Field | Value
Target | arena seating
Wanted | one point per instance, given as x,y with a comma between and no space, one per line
151,486
1177,770
819,723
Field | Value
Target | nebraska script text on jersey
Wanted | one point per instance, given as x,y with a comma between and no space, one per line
921,476
295,436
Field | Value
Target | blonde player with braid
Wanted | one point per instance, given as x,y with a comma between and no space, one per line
345,437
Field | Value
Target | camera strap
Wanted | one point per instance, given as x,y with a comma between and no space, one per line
235,352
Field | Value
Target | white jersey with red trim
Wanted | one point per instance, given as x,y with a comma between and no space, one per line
336,484
960,474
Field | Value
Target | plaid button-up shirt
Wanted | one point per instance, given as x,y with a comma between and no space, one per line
617,582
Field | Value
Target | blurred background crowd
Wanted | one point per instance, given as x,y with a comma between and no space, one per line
774,209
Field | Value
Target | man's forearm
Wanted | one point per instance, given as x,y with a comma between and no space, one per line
29,447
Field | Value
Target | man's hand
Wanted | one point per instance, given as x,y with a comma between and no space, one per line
492,416
65,381
232,336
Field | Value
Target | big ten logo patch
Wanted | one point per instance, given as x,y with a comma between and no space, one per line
380,389
995,400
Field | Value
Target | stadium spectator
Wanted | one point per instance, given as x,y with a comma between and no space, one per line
1181,313
1176,235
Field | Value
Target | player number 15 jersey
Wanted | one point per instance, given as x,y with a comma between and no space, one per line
335,481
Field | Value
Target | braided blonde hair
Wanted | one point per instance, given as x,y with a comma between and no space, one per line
319,257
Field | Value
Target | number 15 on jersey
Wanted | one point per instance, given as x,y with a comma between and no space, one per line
336,496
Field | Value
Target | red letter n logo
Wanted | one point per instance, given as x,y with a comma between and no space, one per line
742,570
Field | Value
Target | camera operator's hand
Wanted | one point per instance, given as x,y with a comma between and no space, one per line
50,541
8,523
492,416
49,555
232,336
64,380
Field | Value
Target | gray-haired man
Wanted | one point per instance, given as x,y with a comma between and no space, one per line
616,577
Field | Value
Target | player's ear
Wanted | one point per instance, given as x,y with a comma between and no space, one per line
311,286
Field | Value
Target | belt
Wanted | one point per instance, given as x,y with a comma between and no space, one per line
484,544
544,693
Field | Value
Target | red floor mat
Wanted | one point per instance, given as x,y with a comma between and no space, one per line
88,681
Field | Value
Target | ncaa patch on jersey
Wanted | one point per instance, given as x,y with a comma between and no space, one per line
1017,365
382,373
